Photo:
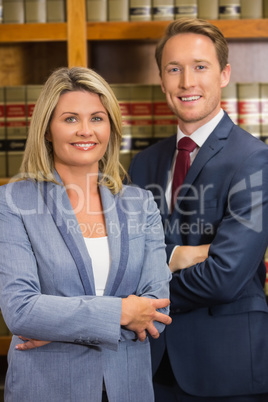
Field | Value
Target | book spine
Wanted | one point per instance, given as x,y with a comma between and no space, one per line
164,121
96,10
140,10
265,8
229,101
208,9
163,10
142,117
1,11
249,108
123,95
15,127
264,112
3,156
185,8
229,9
251,9
32,94
56,11
118,10
35,11
13,12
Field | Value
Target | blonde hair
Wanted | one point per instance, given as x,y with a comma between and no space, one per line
38,156
197,26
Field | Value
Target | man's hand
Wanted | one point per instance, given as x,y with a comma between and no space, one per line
186,256
139,313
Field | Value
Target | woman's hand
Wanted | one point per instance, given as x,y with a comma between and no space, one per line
139,313
30,343
186,256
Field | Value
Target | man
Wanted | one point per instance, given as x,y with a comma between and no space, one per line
216,227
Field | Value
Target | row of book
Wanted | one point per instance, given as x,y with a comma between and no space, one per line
145,114
43,11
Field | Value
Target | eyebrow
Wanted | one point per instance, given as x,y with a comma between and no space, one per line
76,114
176,63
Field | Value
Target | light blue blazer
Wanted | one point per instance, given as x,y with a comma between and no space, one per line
47,292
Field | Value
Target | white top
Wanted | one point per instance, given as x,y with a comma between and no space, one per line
98,249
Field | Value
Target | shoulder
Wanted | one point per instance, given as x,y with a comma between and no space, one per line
135,198
19,194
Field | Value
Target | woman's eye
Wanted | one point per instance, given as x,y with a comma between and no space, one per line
70,119
96,118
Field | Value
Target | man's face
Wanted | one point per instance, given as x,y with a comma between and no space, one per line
192,79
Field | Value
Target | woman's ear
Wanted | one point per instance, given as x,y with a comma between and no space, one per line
48,135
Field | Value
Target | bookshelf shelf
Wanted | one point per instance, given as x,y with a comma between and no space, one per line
2,182
16,33
232,29
4,345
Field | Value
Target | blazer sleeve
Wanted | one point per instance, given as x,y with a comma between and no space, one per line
236,253
54,317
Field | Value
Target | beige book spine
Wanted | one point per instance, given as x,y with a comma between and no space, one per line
56,11
264,113
229,101
35,11
140,10
208,9
96,10
13,12
251,9
118,10
163,10
32,94
185,8
229,9
249,107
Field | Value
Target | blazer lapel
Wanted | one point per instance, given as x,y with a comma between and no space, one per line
58,203
117,229
211,147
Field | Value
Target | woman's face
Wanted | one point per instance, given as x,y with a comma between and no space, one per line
79,131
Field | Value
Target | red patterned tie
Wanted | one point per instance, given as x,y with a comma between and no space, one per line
182,165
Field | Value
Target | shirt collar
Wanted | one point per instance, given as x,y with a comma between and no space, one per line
202,133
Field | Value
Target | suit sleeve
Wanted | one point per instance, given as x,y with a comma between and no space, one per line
236,253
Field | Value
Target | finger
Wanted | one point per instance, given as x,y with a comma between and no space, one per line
141,336
153,331
161,303
165,319
22,346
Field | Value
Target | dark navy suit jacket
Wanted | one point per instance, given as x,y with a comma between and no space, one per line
218,340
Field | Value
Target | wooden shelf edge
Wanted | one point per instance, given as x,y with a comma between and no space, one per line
33,32
232,29
4,344
4,181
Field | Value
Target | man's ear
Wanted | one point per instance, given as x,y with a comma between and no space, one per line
225,75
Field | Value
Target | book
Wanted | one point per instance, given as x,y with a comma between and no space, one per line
140,10
249,107
265,8
208,9
264,113
3,160
123,95
229,101
118,10
251,9
13,11
185,8
56,11
141,117
96,10
229,9
164,120
163,10
35,11
15,103
1,11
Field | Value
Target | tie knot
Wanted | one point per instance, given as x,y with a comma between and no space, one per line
186,144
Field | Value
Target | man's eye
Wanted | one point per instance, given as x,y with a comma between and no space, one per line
201,67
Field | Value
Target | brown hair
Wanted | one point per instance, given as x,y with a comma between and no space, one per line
197,26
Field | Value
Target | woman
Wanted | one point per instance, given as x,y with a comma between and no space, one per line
83,263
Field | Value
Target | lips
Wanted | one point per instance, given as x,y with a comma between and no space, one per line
84,146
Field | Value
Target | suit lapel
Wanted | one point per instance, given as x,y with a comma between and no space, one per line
209,149
117,229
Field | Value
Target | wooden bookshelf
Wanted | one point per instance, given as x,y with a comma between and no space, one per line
4,181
